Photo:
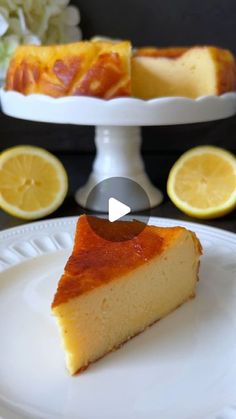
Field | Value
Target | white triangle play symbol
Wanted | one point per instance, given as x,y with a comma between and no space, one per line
117,209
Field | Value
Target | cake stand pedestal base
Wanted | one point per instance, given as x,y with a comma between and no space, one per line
118,155
118,136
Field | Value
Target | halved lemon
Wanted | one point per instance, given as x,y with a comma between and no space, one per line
202,182
33,182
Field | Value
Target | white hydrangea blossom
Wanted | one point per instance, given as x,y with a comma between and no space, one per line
35,22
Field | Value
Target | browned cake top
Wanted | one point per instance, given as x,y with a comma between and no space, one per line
96,261
172,52
99,69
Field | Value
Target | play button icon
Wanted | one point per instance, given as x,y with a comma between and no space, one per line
118,199
117,210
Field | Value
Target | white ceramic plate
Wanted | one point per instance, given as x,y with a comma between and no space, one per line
183,367
122,111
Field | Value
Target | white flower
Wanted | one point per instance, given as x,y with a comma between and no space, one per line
35,22
4,25
63,28
7,47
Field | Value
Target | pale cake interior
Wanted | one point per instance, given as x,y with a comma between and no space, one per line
99,321
193,74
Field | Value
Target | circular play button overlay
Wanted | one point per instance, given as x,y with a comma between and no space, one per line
120,200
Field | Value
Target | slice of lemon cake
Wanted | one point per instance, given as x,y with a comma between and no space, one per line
111,291
188,72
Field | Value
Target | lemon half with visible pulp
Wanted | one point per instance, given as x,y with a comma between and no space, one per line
202,183
33,182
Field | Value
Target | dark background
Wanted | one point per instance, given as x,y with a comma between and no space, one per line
145,22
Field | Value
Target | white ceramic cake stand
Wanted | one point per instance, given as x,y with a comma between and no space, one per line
118,133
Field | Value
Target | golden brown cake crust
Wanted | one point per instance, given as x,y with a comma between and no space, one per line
96,69
172,52
226,70
96,261
223,58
